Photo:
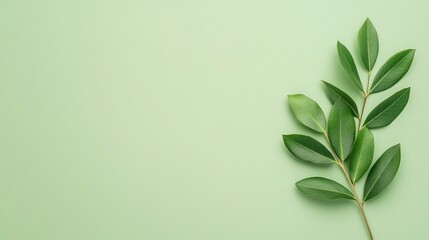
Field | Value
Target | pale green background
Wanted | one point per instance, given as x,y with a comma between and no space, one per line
162,120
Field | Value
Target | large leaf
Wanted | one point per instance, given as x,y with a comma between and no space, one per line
308,149
323,188
393,70
368,44
362,153
341,129
383,172
388,110
334,93
348,64
307,112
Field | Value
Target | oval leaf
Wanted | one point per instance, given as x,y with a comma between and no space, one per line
362,153
383,172
308,149
307,112
334,93
393,70
341,129
348,64
388,110
368,44
323,188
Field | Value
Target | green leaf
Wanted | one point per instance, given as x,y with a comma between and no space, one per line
323,188
307,112
308,149
368,44
383,172
362,153
334,93
388,110
348,64
341,129
393,70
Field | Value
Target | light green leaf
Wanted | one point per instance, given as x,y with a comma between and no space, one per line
388,110
307,112
323,188
341,129
308,149
334,93
348,64
393,70
362,153
383,172
368,44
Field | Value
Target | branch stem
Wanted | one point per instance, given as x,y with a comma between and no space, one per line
352,186
365,98
358,201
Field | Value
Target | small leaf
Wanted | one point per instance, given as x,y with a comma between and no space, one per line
307,112
393,70
334,93
383,172
368,44
323,188
308,149
348,64
388,110
362,153
341,129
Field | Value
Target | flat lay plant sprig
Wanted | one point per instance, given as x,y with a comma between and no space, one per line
347,131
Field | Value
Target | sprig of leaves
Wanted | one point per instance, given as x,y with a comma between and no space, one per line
349,138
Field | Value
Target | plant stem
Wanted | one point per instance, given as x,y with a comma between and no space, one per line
358,201
365,98
352,186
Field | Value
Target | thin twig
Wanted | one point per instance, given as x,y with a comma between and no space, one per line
352,186
365,98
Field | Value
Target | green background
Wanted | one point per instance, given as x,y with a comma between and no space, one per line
162,119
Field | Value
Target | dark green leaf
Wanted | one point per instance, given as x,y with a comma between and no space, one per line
307,112
368,44
362,153
308,149
341,129
334,93
383,172
393,70
348,64
323,188
388,110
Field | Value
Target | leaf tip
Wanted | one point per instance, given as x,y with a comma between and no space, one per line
368,21
298,184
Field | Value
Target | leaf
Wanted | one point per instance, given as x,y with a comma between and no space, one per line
388,110
383,172
368,44
334,93
341,129
393,70
307,112
362,153
323,188
308,149
348,64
